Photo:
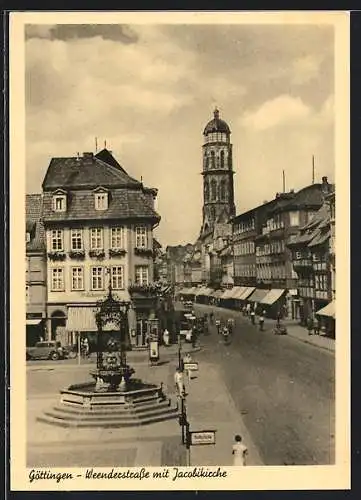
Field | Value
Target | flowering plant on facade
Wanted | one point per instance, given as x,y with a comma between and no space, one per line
117,252
77,254
97,254
143,251
151,288
56,255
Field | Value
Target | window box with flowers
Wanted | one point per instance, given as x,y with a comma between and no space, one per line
56,255
117,252
97,254
145,252
150,289
77,254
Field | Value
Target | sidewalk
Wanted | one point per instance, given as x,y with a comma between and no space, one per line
301,333
211,407
294,330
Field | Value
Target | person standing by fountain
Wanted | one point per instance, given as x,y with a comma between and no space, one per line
179,382
166,337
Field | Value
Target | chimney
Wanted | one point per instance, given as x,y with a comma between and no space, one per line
88,157
325,186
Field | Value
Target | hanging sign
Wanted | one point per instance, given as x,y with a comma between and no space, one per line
191,366
153,350
202,437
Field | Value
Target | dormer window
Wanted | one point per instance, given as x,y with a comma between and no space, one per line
101,199
59,201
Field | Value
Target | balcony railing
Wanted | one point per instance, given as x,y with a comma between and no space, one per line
302,263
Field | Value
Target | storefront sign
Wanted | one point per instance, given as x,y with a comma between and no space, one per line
191,366
202,437
153,350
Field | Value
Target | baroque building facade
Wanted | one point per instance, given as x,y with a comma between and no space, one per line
99,225
35,271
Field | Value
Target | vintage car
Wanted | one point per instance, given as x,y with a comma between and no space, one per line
50,349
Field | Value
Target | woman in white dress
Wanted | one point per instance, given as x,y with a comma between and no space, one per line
239,451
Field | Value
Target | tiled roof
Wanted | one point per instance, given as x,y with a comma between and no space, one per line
321,237
123,204
85,172
33,211
106,156
308,197
313,232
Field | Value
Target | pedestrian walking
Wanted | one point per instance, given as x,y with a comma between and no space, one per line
279,318
244,310
230,325
211,317
179,382
166,337
218,325
248,309
225,334
239,451
261,322
316,326
188,359
253,317
309,325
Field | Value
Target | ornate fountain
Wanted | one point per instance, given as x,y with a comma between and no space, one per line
112,373
113,398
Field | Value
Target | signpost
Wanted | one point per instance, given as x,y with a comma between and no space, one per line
202,437
191,366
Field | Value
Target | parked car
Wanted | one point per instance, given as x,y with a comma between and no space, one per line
45,350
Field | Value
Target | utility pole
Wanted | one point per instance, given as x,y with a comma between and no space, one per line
284,181
313,169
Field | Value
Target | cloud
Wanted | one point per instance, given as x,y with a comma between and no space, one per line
115,32
305,69
282,110
151,99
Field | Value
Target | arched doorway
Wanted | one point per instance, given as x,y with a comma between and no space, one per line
58,323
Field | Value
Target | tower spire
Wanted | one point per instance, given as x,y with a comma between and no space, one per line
216,113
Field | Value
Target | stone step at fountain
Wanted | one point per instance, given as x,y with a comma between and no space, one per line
128,419
118,410
58,412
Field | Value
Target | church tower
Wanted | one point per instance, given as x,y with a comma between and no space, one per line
218,189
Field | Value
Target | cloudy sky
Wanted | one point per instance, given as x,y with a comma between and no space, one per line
149,90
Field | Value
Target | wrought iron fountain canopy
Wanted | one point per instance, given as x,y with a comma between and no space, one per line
111,358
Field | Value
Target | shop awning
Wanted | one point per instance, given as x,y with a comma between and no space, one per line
329,310
247,292
32,322
238,294
272,296
207,292
81,319
200,291
293,291
218,294
258,295
227,294
235,290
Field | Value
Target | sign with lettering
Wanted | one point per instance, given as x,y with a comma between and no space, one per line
192,366
202,437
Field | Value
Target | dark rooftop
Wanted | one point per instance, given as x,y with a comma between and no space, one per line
123,204
87,171
34,226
